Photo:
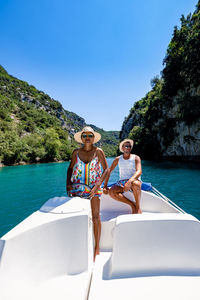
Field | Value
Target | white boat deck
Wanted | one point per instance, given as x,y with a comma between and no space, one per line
59,287
154,255
140,288
151,258
49,255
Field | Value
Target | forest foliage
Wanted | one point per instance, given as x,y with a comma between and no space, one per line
36,128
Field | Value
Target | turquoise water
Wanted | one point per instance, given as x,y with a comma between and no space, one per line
23,189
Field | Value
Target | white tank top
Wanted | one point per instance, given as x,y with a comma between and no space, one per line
126,167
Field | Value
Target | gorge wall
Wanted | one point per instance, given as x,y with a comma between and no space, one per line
166,122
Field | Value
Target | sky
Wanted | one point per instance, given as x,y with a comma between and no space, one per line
96,57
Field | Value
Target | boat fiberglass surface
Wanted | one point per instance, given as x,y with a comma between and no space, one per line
153,255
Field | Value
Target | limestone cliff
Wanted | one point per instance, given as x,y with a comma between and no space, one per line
166,122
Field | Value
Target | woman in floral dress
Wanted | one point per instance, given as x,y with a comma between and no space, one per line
85,167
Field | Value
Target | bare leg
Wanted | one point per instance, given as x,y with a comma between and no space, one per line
116,193
95,206
136,188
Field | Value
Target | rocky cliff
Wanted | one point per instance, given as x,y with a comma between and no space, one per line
166,122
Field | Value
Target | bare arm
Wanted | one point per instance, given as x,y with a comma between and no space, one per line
104,164
136,175
102,159
70,170
138,168
112,167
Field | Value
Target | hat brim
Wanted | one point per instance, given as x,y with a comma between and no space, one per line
77,137
125,141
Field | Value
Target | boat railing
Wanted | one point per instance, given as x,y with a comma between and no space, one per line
159,194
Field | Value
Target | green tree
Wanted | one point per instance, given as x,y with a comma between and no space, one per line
52,144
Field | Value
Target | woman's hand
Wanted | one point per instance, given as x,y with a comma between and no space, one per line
95,190
69,187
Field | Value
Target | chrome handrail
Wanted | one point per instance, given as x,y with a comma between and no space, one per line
167,199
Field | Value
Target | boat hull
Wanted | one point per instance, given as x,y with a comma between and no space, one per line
50,254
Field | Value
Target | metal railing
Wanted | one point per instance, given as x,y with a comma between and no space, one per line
159,194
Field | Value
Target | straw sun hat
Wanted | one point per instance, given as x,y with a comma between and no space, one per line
125,141
77,136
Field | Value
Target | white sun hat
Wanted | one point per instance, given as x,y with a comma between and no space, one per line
77,136
125,141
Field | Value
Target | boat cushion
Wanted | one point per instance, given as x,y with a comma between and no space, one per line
156,244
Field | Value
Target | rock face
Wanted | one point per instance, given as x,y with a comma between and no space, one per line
186,143
166,122
69,120
166,131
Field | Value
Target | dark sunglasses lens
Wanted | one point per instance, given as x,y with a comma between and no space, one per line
127,147
87,135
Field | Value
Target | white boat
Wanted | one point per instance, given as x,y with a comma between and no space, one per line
153,255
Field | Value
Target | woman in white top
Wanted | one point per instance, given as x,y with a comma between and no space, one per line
130,170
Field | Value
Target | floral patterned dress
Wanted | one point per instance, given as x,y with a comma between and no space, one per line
89,173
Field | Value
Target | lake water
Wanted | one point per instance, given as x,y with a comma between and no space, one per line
23,189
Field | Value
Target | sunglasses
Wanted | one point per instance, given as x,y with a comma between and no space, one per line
87,135
127,147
